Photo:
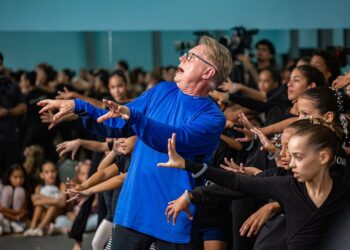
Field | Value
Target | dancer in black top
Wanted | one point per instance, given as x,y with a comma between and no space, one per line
311,199
268,219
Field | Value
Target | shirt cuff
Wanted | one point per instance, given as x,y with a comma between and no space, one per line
79,105
197,169
134,115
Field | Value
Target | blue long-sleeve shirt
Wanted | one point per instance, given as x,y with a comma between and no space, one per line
154,116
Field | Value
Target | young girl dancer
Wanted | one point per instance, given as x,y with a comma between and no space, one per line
310,198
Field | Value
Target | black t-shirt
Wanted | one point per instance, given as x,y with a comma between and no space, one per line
33,131
340,170
307,225
123,163
10,97
31,99
213,214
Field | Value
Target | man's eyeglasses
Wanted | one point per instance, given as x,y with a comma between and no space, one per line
190,55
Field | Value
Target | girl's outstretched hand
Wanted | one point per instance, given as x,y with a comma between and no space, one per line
267,145
176,206
80,196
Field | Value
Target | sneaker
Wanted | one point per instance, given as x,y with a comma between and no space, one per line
37,232
6,226
52,229
17,227
28,232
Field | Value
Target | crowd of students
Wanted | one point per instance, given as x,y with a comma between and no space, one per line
277,179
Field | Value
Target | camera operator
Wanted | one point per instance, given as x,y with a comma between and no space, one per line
265,55
265,59
11,106
240,44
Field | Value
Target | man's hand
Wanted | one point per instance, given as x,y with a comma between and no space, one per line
115,110
175,160
64,107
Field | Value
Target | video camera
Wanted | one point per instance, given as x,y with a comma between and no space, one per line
240,41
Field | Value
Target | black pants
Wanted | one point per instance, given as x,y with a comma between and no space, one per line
9,154
80,221
241,210
125,238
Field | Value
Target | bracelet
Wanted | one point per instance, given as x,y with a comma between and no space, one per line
187,196
250,146
199,173
272,156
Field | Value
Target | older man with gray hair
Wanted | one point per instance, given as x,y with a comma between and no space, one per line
183,108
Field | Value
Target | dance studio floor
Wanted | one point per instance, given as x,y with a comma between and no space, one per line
58,242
